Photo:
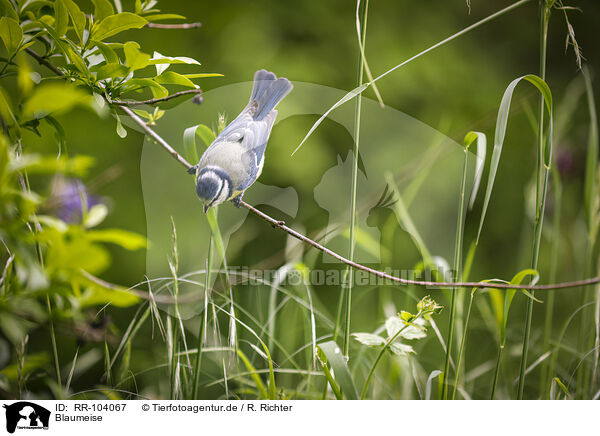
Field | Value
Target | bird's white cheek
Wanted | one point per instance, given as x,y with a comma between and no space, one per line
223,194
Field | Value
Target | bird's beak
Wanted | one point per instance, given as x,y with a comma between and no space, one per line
205,208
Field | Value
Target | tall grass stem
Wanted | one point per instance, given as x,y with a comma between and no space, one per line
458,247
542,182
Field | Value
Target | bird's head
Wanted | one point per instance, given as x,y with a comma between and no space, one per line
213,186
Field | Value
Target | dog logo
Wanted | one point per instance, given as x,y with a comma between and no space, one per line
26,415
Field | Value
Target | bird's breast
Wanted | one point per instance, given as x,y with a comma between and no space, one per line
232,158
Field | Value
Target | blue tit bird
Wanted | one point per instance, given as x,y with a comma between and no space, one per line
233,162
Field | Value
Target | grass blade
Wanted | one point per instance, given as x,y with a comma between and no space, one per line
481,141
360,89
336,361
500,133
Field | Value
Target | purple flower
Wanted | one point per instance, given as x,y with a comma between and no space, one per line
68,198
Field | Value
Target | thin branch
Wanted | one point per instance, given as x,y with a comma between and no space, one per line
155,135
153,100
281,225
174,26
43,61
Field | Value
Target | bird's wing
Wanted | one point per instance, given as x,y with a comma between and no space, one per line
254,142
251,136
235,130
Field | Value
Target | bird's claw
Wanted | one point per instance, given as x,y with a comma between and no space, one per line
192,170
237,201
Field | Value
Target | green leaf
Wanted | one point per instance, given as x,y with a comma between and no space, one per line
433,375
369,339
65,48
61,18
124,370
75,59
163,62
8,10
55,98
479,160
102,9
96,295
38,164
77,18
135,59
120,129
6,109
206,134
4,157
158,91
172,78
67,256
123,238
15,328
337,362
53,222
211,216
159,17
202,75
499,134
260,386
401,349
11,34
110,71
413,331
31,363
108,53
114,24
495,294
95,215
189,143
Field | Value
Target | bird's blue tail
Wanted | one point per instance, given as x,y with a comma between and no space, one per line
268,90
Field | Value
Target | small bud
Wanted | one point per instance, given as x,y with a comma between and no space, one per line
197,99
221,122
428,306
406,316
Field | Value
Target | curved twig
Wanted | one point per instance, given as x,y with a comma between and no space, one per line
174,26
43,61
281,225
153,100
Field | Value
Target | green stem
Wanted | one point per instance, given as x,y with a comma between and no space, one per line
40,254
202,329
546,375
542,182
382,351
496,372
458,245
462,345
174,319
53,339
349,271
586,341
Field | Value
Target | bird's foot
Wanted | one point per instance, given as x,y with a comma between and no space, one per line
237,201
192,170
